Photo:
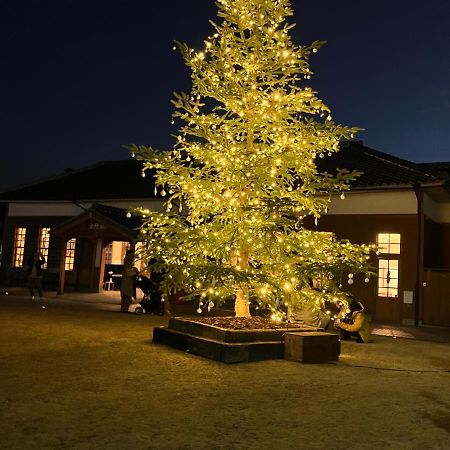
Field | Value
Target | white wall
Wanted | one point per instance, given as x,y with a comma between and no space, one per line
439,212
397,202
59,209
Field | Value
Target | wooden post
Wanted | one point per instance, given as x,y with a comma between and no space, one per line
94,282
102,267
62,266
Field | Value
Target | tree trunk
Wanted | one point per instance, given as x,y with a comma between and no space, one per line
242,305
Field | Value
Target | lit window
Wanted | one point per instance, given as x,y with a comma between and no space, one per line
389,243
115,252
70,254
388,278
19,247
44,241
388,273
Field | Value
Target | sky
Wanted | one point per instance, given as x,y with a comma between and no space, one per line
80,79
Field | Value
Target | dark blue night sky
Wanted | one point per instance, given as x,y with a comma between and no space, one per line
81,78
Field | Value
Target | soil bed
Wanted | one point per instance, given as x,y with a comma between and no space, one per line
243,323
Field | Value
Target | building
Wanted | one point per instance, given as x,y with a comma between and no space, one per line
78,220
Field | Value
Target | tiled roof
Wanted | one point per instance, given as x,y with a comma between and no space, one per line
379,169
101,181
122,179
442,168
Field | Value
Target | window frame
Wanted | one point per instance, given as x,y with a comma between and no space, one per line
69,260
388,254
20,235
44,243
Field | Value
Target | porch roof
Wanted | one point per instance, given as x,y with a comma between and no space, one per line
101,218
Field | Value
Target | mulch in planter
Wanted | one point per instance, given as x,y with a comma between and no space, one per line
243,323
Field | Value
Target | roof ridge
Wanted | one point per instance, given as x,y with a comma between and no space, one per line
67,172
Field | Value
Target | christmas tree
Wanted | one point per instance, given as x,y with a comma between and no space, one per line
243,174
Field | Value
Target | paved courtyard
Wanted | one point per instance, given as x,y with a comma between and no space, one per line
77,374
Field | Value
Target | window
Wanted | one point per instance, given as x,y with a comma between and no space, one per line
389,243
115,252
70,254
43,244
388,273
388,278
19,247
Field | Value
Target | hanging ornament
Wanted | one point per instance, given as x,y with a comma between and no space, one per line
366,280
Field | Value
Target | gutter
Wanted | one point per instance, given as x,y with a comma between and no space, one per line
386,187
418,190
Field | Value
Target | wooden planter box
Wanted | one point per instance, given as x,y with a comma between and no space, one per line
312,347
227,345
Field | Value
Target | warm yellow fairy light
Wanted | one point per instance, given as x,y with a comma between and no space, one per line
242,174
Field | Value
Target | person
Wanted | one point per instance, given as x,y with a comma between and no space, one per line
128,283
313,317
305,313
34,272
352,321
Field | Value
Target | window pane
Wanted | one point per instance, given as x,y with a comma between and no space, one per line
44,242
70,254
19,247
389,243
393,264
388,278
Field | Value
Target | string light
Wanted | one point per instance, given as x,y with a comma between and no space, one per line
242,174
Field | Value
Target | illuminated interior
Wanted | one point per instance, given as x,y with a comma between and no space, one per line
44,242
388,273
70,254
19,246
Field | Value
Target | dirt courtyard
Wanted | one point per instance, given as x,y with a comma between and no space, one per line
77,378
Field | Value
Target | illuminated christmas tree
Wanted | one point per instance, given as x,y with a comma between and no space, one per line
242,175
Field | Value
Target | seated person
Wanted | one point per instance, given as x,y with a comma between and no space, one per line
305,315
311,311
352,321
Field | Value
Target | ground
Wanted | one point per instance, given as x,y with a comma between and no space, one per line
81,378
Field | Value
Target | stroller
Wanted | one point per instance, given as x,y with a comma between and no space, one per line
152,302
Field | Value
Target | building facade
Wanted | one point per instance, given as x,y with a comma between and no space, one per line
78,221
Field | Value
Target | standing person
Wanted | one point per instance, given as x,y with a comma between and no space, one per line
34,273
128,283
